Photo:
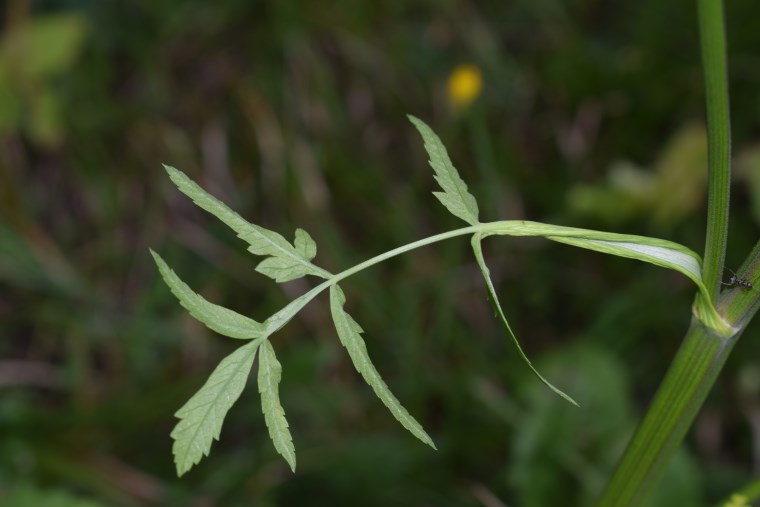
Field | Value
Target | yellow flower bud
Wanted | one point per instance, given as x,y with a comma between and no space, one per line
464,85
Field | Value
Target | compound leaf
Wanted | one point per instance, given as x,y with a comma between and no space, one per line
270,373
284,261
349,332
477,249
220,319
202,416
455,196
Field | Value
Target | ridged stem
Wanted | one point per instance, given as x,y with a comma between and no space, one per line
680,396
713,43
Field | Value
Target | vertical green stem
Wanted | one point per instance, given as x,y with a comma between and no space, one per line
703,353
679,398
713,43
687,383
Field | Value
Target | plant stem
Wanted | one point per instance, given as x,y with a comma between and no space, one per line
279,319
738,306
405,248
713,43
703,353
680,396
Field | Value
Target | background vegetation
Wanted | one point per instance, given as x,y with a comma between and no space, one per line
590,115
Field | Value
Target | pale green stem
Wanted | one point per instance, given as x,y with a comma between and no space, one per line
402,249
279,319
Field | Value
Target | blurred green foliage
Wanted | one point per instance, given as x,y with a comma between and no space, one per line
294,114
32,56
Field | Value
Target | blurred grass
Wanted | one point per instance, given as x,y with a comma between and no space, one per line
294,114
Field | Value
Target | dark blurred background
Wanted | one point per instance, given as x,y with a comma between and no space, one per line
590,114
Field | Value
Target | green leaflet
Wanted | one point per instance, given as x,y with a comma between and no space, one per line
349,333
218,318
202,416
287,262
284,261
476,248
270,373
455,196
